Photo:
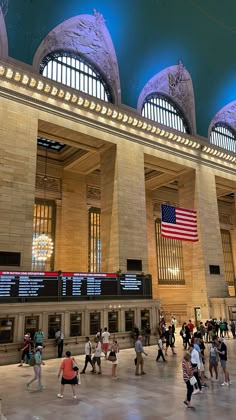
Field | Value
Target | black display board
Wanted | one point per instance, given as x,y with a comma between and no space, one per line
30,286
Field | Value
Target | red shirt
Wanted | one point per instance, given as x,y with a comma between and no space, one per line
191,326
67,368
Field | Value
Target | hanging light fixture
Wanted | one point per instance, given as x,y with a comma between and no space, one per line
43,245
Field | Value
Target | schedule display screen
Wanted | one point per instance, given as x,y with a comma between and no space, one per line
87,284
30,286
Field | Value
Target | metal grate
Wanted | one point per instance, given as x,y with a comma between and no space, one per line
72,70
157,108
223,136
228,256
169,259
94,255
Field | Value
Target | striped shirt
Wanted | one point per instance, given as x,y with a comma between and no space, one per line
186,376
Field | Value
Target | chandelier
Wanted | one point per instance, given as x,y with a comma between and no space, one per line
42,248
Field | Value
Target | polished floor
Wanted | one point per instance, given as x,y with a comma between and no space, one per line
157,395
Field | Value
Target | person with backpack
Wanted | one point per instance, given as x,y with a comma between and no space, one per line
36,362
38,338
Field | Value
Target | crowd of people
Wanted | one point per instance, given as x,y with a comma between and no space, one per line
213,334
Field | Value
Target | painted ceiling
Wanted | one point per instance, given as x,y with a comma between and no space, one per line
148,36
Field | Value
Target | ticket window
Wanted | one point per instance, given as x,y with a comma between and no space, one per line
75,325
54,324
95,323
129,320
31,325
6,330
145,319
113,322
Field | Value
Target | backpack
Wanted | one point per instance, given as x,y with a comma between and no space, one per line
32,361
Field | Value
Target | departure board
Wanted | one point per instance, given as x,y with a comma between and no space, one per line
89,284
19,286
28,284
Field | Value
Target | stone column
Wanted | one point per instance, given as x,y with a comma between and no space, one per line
72,225
123,207
18,154
198,191
152,252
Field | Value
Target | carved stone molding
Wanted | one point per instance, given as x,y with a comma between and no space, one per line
88,36
51,184
93,193
3,35
226,115
173,82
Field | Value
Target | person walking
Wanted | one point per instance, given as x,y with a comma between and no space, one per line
25,350
222,351
187,375
160,349
97,356
115,349
105,341
38,362
59,337
88,355
69,375
169,340
195,362
139,351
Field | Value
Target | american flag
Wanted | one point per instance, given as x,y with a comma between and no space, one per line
179,223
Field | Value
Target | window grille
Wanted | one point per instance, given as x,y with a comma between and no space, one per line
44,222
169,259
228,256
223,136
94,257
159,109
72,70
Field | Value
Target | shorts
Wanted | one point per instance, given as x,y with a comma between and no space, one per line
223,363
105,347
213,361
73,381
97,360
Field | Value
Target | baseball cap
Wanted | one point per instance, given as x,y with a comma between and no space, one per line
39,347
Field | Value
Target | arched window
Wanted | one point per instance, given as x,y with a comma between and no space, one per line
72,70
223,136
161,110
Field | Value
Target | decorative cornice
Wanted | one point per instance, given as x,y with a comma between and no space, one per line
58,99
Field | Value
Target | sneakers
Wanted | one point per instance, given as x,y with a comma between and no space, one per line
20,365
27,387
143,373
75,397
59,396
225,384
196,391
42,387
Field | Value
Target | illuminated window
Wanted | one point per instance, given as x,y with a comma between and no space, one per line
169,259
72,70
75,325
31,325
44,222
95,322
228,256
224,137
54,324
113,322
94,256
161,110
129,320
145,319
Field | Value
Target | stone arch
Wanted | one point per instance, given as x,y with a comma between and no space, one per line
86,35
226,115
175,83
3,36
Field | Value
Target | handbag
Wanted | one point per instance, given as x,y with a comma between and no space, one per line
75,367
193,380
112,356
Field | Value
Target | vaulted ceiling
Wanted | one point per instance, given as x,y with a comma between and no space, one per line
148,36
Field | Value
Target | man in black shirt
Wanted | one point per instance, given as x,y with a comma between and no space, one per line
223,360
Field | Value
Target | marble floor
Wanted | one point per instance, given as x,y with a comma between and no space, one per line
157,395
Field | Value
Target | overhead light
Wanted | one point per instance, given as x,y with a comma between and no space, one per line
9,73
25,79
